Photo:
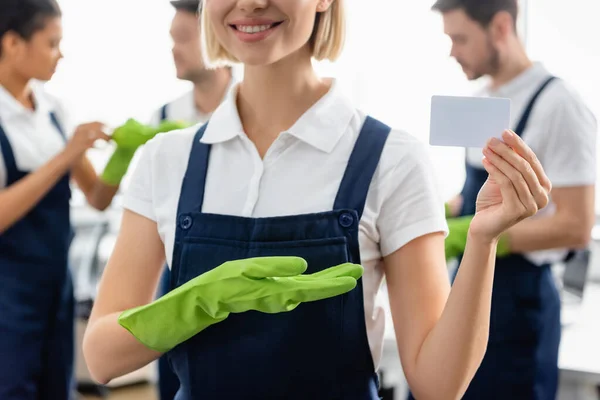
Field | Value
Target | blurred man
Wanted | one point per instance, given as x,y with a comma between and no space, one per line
522,357
196,106
209,85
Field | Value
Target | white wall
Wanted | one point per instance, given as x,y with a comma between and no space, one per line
565,38
117,59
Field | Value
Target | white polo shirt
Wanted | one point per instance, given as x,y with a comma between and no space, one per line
183,108
32,135
561,131
301,173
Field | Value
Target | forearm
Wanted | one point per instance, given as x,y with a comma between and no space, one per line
111,351
552,232
102,195
454,349
97,193
19,198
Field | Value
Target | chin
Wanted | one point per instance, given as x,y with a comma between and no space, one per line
260,58
44,77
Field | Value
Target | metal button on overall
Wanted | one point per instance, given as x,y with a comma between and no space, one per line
186,222
346,220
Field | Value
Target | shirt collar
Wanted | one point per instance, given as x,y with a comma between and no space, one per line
535,72
321,126
11,108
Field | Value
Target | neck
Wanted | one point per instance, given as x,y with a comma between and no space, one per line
272,98
16,85
513,65
210,89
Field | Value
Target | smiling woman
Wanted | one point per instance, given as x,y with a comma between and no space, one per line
299,204
325,33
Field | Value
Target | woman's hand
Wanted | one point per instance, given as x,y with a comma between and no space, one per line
84,138
517,187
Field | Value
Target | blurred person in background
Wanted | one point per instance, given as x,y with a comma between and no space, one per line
522,356
39,157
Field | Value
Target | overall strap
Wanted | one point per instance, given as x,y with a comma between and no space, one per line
527,113
58,126
192,187
520,128
363,162
163,113
7,153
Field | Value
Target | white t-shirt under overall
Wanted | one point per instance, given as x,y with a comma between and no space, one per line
33,137
301,173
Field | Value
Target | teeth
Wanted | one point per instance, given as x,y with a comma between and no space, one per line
252,28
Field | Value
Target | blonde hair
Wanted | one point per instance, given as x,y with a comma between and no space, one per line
326,41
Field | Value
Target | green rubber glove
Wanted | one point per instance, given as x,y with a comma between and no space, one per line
128,138
447,210
457,238
265,284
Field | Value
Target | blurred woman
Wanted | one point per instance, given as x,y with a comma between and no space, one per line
38,159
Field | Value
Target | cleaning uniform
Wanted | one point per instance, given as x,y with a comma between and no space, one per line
337,186
36,293
521,361
183,109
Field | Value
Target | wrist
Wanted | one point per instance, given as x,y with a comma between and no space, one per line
481,240
500,244
67,158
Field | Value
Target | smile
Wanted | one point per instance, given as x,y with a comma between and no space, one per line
255,28
254,32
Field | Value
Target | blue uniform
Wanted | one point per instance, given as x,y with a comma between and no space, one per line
319,350
36,294
521,361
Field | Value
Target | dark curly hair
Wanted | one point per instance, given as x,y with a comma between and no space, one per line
25,17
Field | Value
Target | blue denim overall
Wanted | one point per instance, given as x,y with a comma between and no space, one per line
168,383
36,294
521,361
318,351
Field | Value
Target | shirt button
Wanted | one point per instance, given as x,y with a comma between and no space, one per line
346,220
186,222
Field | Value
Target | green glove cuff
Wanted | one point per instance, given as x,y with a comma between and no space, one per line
456,241
447,210
457,238
503,248
117,166
159,327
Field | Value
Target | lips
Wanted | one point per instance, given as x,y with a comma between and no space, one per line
254,30
255,27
